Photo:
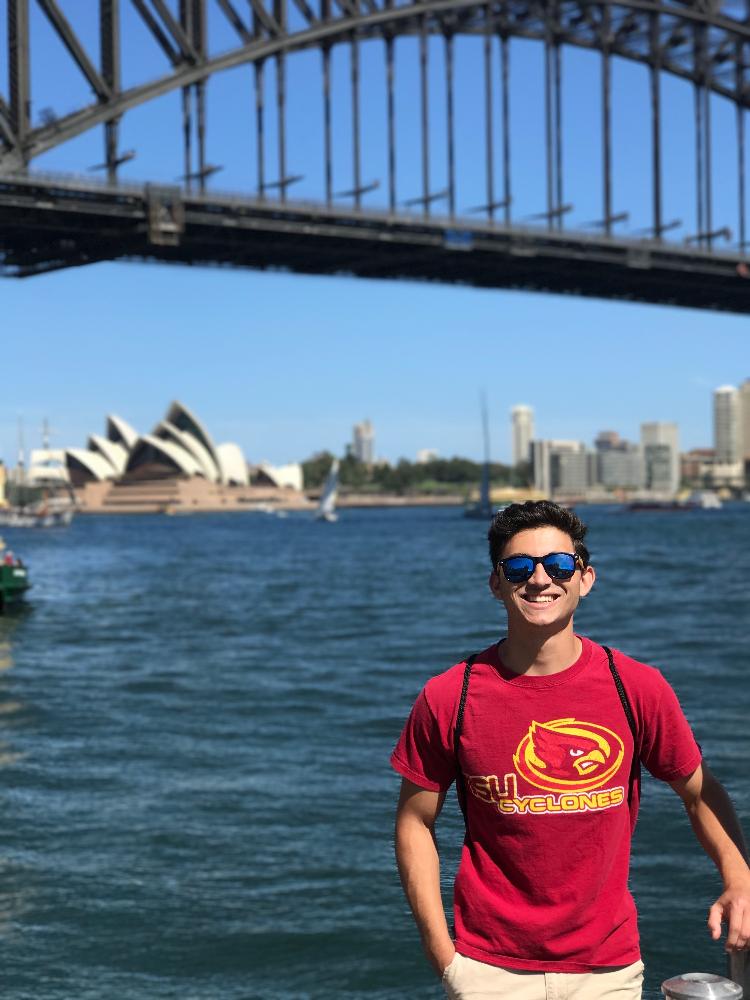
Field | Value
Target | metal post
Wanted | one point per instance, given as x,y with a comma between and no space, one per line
741,174
449,125
558,130
391,126
200,100
327,122
187,132
740,120
355,124
505,68
109,37
656,125
259,129
423,57
19,75
490,165
548,129
606,121
281,120
707,162
699,162
186,21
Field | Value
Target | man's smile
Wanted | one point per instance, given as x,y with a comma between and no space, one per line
540,598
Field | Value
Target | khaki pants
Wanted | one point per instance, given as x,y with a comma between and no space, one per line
465,979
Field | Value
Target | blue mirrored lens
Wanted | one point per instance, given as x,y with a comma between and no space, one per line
559,565
518,568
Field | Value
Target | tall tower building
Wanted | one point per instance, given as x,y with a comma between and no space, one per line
522,424
727,426
745,419
363,443
661,455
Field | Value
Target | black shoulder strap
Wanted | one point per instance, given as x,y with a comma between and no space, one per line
460,783
635,770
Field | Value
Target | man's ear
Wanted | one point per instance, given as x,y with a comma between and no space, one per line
588,576
494,582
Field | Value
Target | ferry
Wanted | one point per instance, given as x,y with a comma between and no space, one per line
14,577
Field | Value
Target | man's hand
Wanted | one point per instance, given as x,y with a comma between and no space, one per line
441,957
717,828
733,908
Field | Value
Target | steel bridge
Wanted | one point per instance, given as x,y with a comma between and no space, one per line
50,221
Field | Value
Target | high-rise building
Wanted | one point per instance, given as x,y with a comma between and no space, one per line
363,443
744,392
661,456
727,427
522,424
559,467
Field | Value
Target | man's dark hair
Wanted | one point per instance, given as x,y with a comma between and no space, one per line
535,514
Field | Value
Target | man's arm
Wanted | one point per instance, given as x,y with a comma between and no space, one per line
717,828
419,868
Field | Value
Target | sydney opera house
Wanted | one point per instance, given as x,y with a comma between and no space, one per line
174,468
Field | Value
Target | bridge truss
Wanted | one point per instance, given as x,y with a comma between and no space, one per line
51,222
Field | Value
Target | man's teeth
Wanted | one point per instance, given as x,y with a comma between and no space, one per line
540,598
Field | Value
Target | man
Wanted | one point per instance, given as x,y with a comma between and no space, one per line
547,767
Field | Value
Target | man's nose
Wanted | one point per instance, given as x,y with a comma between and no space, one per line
540,577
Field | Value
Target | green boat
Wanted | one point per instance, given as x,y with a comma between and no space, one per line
14,578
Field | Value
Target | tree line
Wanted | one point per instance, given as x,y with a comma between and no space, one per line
439,475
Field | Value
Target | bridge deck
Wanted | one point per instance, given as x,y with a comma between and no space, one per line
47,224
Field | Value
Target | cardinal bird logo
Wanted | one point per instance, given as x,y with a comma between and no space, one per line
568,755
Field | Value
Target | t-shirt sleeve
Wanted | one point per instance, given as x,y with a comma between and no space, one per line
423,753
668,748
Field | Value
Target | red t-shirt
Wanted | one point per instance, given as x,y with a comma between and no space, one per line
542,882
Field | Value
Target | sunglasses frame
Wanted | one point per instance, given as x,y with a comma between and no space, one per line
577,564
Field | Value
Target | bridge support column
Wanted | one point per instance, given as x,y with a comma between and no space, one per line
18,62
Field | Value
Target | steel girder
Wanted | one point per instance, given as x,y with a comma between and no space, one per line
705,42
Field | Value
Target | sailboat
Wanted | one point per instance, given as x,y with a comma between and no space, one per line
483,507
327,507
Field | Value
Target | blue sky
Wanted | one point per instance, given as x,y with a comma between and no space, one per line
286,364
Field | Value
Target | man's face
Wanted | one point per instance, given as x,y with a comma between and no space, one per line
540,601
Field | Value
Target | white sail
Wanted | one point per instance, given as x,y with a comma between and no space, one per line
327,506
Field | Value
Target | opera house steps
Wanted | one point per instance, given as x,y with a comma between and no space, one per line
175,495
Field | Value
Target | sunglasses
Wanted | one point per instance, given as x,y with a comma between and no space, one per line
557,566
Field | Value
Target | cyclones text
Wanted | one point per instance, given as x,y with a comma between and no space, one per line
507,800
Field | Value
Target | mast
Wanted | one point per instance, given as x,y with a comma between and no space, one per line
484,498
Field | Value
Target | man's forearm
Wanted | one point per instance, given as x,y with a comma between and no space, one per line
717,828
419,868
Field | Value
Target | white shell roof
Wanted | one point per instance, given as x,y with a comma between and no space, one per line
114,452
174,453
119,430
232,464
284,475
166,431
98,467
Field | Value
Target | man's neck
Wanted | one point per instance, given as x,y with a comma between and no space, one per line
540,655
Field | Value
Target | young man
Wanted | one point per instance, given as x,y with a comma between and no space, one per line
547,762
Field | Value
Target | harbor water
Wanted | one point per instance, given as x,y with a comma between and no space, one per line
196,716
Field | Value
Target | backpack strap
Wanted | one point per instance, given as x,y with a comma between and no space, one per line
460,783
635,768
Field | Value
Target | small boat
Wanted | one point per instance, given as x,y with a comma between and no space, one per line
706,500
14,578
36,516
661,505
327,507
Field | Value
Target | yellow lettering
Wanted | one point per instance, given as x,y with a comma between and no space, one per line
553,805
495,793
506,806
569,802
480,787
618,795
537,805
603,799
